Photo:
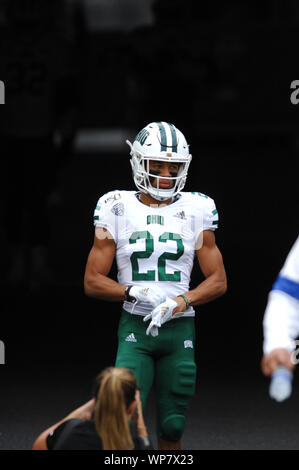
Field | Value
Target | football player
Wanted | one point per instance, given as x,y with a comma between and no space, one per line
281,319
155,233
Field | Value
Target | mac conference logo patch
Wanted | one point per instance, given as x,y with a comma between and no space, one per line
118,209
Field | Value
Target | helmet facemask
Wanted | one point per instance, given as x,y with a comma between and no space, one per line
144,177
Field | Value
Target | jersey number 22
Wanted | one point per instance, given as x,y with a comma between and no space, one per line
150,275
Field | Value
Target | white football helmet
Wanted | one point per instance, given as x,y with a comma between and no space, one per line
163,142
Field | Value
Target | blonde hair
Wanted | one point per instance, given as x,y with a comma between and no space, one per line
117,388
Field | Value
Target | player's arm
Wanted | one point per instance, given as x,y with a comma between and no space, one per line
98,284
96,281
211,264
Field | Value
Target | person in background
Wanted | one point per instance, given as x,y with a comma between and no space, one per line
281,318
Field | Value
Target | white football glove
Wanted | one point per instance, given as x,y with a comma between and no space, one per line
161,314
152,295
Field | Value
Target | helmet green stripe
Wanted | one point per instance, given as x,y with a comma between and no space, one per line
174,138
163,137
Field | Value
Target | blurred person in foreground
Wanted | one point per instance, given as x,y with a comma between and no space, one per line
281,319
111,420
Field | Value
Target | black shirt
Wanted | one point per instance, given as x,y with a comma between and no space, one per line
76,434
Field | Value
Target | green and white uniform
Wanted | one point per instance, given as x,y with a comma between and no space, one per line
157,245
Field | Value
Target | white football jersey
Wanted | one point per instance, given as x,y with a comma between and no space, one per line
281,319
155,244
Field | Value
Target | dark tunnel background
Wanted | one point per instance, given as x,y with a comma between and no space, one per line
80,78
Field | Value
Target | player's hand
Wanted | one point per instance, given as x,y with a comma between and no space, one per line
277,357
161,314
152,295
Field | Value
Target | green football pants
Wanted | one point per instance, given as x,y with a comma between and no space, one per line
166,360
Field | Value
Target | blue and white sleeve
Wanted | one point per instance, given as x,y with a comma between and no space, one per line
281,319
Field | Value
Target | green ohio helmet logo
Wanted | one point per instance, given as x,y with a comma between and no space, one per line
142,136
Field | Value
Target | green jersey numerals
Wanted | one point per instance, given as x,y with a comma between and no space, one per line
150,275
149,248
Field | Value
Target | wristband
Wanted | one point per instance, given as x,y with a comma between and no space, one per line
127,291
186,301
